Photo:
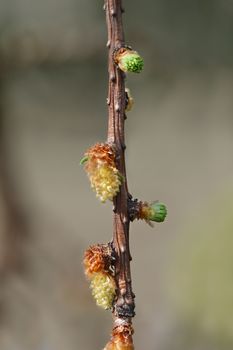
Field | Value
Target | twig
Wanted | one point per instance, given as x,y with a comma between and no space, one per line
108,265
124,305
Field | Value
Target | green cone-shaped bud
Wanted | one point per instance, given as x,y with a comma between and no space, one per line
157,212
130,61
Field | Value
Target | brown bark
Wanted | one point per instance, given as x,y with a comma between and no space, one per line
124,304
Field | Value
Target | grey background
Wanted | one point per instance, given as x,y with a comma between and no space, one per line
179,150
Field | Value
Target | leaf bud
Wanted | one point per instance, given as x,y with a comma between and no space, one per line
128,60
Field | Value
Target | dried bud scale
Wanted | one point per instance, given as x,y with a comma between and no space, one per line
98,258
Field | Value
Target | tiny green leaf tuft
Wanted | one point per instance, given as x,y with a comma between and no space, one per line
157,212
132,62
129,60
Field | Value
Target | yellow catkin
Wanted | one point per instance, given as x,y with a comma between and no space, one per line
101,169
106,182
103,290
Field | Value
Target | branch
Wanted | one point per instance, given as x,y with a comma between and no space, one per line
124,305
108,265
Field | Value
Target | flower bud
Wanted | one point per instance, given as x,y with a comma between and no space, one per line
103,290
121,338
118,346
101,169
128,60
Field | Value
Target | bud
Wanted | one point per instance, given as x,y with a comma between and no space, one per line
101,169
155,211
103,290
98,258
129,100
128,60
118,346
158,212
121,338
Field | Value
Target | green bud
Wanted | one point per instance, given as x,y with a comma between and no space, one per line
157,212
83,160
130,61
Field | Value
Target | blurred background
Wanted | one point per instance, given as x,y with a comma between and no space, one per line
53,87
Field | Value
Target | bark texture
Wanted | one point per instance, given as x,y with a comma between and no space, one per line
124,305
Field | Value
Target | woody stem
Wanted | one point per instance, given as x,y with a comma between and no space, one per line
124,304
